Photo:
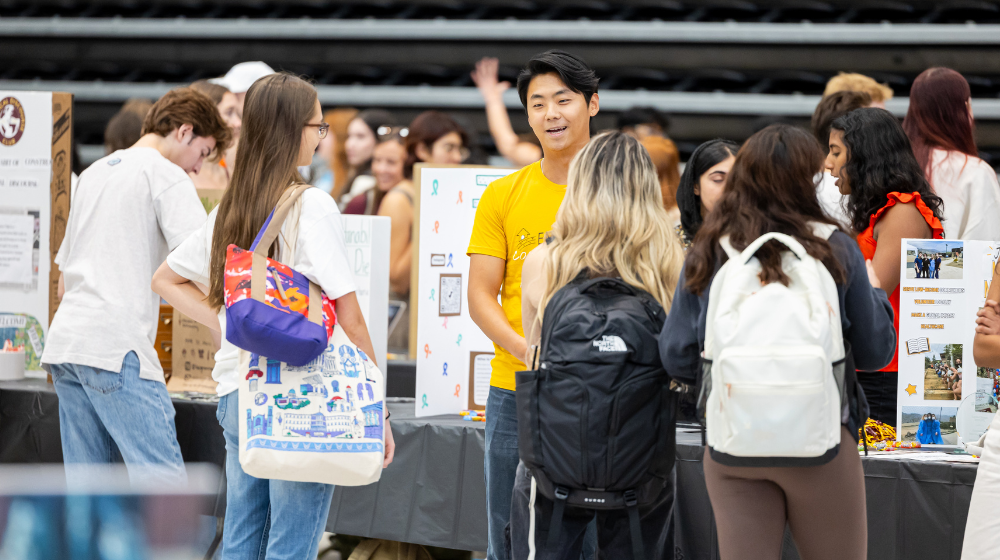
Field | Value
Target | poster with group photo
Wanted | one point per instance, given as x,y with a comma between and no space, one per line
943,398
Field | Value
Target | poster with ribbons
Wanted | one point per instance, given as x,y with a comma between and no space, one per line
452,355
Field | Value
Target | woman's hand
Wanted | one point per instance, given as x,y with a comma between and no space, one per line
988,319
390,446
872,277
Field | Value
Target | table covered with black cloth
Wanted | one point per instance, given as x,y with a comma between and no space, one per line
433,493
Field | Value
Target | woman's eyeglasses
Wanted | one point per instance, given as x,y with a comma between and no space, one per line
324,129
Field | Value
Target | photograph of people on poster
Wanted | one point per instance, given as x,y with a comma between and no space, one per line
929,425
943,372
934,259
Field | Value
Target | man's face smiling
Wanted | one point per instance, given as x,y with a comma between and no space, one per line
559,116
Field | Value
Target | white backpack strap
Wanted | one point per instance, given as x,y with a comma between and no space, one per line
733,253
788,241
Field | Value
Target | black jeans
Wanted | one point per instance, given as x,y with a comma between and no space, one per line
531,514
880,389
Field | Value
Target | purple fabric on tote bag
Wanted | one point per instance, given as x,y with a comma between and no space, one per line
272,328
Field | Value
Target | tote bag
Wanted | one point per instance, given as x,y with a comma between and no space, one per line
271,308
318,422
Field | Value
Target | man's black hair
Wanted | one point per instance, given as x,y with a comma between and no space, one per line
636,116
572,70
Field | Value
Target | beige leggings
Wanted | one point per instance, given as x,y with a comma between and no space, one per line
824,506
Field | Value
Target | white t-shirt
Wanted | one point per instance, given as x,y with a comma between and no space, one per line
971,194
830,199
129,210
320,256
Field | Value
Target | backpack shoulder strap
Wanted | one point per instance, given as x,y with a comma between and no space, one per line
272,226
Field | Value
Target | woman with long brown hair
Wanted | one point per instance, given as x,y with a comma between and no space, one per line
772,188
362,135
941,129
282,125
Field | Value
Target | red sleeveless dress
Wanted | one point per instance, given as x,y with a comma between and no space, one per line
867,243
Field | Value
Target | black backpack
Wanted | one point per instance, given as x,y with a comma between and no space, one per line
596,418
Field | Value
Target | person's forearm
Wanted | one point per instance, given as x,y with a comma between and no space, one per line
986,350
499,124
399,272
189,300
350,318
490,318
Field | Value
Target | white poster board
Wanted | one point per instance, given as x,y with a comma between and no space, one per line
367,239
25,219
937,321
451,352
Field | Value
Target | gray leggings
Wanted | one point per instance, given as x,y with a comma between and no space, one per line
824,506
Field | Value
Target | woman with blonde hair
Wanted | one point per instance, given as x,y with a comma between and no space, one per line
611,224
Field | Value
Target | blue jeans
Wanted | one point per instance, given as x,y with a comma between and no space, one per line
501,470
272,519
105,416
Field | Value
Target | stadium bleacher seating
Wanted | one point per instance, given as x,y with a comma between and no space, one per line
715,66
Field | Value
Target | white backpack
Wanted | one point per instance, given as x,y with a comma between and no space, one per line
776,357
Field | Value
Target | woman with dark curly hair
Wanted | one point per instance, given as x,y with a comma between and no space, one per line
888,199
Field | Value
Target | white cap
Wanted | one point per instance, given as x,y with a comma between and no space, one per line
243,75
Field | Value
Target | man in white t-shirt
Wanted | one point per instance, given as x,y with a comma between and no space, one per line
129,210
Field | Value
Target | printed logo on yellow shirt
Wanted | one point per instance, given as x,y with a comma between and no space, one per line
524,239
524,242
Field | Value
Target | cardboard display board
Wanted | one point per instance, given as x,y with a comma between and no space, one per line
35,175
452,354
192,348
937,320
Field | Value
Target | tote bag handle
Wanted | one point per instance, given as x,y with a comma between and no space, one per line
267,235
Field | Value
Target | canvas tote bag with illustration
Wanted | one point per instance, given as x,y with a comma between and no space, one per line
318,422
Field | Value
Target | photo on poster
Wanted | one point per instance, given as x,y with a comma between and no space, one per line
450,301
20,236
929,425
987,389
943,373
929,259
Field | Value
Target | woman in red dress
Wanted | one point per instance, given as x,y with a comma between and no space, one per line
888,199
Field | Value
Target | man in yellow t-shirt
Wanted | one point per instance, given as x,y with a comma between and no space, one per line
559,92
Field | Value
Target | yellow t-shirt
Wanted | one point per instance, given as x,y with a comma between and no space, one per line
512,218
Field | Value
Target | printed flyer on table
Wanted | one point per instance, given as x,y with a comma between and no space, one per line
943,397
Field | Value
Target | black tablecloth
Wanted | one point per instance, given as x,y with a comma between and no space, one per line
433,493
916,510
